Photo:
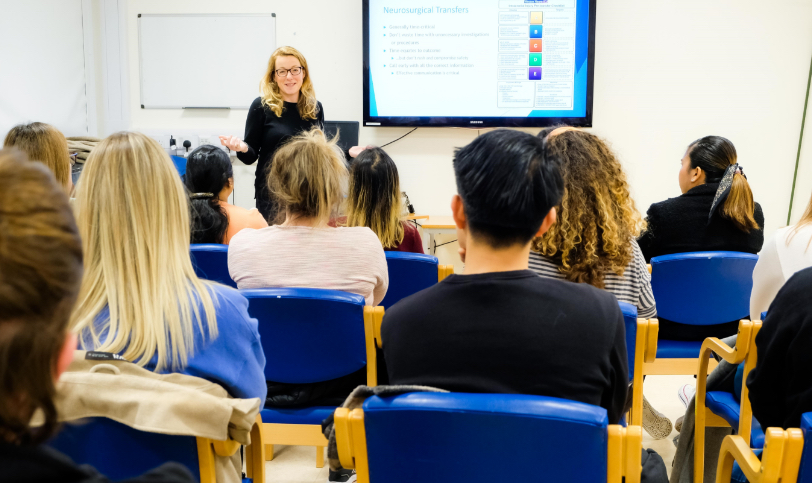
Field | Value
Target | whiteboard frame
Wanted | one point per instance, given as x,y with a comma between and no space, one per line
141,60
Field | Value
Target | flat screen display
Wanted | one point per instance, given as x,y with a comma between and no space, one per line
478,63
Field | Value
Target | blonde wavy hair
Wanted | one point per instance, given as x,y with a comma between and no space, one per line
133,217
374,200
272,97
46,144
308,176
597,218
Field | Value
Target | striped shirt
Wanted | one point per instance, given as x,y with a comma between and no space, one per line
633,287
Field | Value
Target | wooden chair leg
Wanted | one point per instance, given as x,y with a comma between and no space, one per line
319,456
268,452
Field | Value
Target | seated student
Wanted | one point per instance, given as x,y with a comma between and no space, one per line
46,144
596,194
783,254
576,249
307,178
375,201
500,328
780,383
140,296
715,212
210,181
40,247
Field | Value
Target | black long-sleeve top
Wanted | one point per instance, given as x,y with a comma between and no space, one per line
511,333
781,383
265,132
680,225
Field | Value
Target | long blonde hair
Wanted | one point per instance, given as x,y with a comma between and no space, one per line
308,176
133,216
271,97
806,219
375,200
597,218
46,144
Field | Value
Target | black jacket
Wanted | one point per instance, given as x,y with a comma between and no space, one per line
680,225
24,464
781,383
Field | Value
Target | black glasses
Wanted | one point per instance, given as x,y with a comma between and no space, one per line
284,72
73,158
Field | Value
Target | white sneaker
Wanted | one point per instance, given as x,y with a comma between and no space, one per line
686,393
656,424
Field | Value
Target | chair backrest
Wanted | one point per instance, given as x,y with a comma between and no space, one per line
409,273
805,472
211,262
484,437
307,334
630,321
703,288
121,452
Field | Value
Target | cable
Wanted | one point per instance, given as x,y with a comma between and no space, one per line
800,143
398,139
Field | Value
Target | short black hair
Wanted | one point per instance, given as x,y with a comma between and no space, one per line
508,183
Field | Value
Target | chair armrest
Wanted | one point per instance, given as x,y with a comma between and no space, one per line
373,318
732,355
624,456
225,448
341,420
648,266
780,460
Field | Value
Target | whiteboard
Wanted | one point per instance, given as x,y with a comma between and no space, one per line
198,61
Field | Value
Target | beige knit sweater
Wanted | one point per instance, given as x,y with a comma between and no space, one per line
349,259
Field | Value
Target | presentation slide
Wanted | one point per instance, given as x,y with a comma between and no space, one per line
478,59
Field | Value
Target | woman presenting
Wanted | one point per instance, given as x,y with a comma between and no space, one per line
286,107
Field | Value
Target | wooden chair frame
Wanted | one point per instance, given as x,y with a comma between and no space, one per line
624,448
443,271
310,434
206,451
645,351
255,453
780,460
745,351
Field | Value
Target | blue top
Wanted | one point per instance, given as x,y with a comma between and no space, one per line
234,359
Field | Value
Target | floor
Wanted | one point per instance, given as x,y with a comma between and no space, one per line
297,464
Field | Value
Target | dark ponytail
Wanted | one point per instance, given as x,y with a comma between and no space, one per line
715,154
208,170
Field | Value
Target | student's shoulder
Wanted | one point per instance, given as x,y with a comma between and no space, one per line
248,236
580,298
359,234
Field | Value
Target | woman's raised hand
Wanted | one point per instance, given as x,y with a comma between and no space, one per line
234,143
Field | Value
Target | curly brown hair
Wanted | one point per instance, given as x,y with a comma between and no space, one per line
597,218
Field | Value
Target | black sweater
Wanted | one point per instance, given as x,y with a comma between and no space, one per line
24,464
680,225
265,132
511,333
781,383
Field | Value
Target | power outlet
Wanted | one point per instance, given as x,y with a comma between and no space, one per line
204,139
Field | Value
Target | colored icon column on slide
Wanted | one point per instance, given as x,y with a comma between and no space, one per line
536,18
535,45
535,31
535,59
535,73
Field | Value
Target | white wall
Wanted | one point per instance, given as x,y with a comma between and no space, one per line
42,68
666,73
803,186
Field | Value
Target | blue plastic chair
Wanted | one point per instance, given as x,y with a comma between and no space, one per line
180,164
210,261
409,273
701,288
641,346
787,456
311,335
484,438
121,452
